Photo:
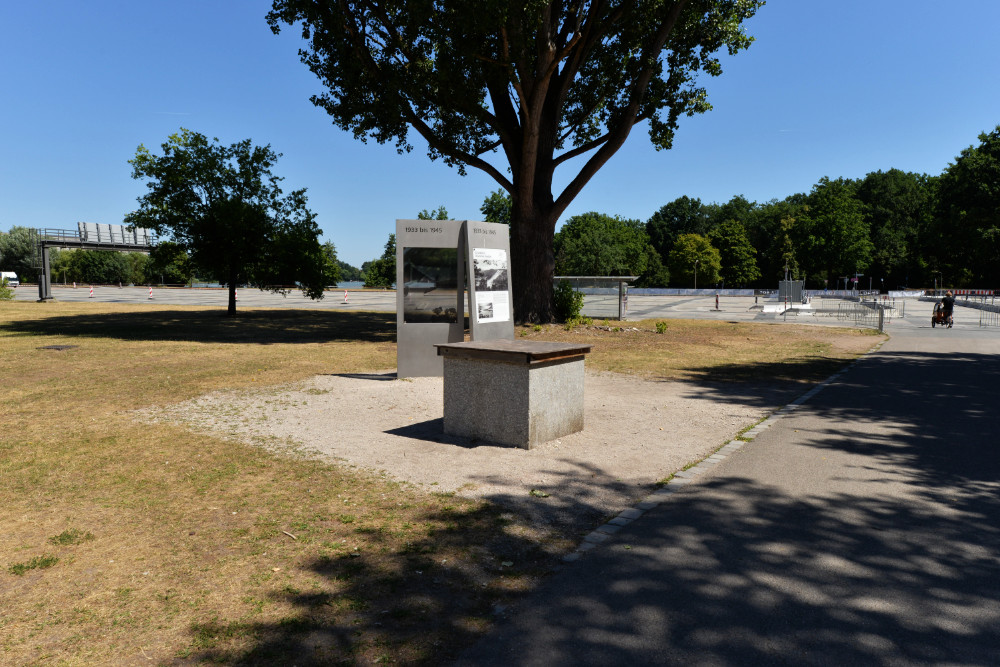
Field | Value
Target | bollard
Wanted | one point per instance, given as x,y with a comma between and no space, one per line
150,291
345,296
91,291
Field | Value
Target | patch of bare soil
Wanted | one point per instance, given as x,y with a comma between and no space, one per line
637,432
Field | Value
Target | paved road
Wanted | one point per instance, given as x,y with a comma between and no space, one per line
861,528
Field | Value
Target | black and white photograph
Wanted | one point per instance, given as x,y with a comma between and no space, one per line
490,269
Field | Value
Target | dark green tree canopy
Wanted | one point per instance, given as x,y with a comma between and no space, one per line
595,244
170,263
831,234
684,215
898,207
17,252
516,89
382,271
223,205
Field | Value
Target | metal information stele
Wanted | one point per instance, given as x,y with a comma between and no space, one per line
487,251
436,262
430,286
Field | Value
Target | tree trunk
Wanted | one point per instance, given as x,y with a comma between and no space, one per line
231,311
532,264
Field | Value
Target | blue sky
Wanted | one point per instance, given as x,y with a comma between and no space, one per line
834,89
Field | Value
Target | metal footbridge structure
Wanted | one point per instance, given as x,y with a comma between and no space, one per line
87,236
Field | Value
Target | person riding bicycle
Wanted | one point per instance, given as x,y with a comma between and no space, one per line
947,306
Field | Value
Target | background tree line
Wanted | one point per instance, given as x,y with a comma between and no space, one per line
894,228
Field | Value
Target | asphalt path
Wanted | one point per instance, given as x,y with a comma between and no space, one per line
860,528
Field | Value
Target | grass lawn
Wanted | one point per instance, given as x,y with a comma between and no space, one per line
133,543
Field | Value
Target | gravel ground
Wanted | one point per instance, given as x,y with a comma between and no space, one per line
637,432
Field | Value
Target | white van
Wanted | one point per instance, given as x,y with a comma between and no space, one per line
10,277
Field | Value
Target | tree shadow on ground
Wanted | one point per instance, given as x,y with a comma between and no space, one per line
766,385
933,414
895,562
261,327
412,606
729,571
738,573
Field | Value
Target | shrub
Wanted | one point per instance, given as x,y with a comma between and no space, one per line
568,302
661,327
6,293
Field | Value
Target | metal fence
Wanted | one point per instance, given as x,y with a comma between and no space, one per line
989,316
870,314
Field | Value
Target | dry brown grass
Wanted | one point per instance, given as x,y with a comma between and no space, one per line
128,543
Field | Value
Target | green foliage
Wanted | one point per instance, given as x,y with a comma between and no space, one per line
17,251
656,273
36,563
440,214
6,293
578,321
968,222
225,207
382,271
71,537
789,263
595,244
681,216
496,208
898,208
169,263
105,267
739,262
694,261
349,272
831,233
661,327
333,265
568,302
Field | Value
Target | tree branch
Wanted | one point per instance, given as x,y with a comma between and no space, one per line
617,136
452,151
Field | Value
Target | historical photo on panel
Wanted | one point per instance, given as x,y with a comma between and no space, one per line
490,275
430,285
489,267
492,307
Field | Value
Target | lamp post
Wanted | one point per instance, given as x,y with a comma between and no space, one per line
696,274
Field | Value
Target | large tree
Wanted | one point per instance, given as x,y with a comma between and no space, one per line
539,82
223,205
